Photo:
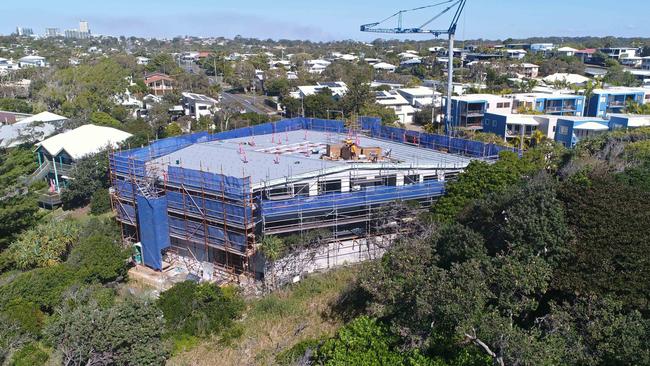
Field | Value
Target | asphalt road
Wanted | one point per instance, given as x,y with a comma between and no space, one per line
246,102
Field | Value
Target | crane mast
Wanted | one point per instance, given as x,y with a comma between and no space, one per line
458,6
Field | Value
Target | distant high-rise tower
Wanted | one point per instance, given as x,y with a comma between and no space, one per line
52,32
23,31
83,27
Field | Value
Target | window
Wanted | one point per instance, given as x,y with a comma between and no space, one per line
329,186
564,130
301,189
411,179
389,180
494,123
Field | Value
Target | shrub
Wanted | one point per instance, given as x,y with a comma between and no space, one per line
199,310
100,202
30,355
98,259
45,245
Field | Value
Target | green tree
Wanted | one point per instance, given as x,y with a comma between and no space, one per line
16,215
100,202
89,175
173,129
124,333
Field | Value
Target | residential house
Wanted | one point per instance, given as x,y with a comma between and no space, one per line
627,121
566,51
338,89
467,111
509,126
553,104
317,66
27,128
32,61
570,130
141,60
619,52
420,96
516,54
388,83
565,78
542,47
525,69
7,65
586,54
634,62
645,63
198,105
57,154
613,100
159,83
384,66
394,100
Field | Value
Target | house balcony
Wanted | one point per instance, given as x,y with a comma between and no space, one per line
616,103
560,108
472,113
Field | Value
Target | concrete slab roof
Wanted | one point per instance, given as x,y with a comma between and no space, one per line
268,159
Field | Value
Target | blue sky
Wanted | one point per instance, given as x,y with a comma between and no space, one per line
326,19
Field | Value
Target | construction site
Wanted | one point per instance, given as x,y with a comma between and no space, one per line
204,202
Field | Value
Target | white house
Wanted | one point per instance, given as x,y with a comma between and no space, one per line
32,128
572,79
32,61
198,105
394,100
566,51
338,89
384,66
516,54
317,66
140,60
420,96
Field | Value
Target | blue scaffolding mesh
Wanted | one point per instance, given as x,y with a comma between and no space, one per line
154,229
432,141
216,235
368,196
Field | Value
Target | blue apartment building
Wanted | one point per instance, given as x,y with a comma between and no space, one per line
570,130
552,104
607,101
627,121
467,111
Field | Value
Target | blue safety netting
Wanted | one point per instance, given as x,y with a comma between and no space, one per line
132,162
368,196
125,212
214,208
219,184
153,226
453,145
199,232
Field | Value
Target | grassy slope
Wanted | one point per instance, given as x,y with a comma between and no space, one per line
276,323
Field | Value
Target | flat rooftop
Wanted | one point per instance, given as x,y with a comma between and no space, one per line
269,158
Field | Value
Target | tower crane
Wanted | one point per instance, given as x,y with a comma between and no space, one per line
457,7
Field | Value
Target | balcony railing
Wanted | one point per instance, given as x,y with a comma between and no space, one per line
616,103
560,108
473,113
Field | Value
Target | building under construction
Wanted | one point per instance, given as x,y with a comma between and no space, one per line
210,197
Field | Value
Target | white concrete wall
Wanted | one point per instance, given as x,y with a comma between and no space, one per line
336,254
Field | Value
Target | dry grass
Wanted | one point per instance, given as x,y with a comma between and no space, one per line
275,323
